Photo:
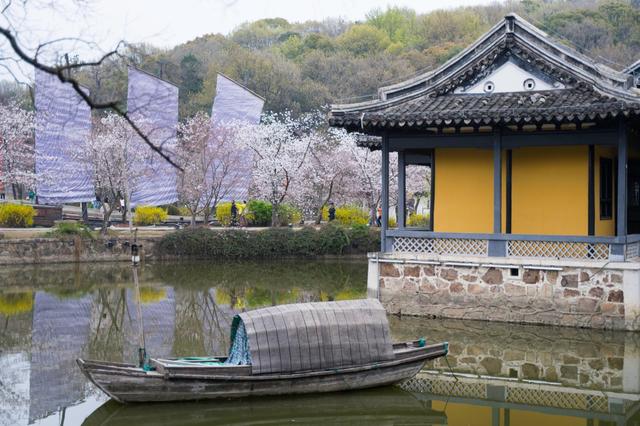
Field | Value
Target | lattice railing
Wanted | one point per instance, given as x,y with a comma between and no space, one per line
558,249
445,387
558,399
451,246
632,250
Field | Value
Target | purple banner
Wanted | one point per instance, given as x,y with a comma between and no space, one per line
235,103
153,106
63,126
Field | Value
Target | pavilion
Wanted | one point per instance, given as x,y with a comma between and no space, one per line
527,139
534,154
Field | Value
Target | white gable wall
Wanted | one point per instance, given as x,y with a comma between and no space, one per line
509,77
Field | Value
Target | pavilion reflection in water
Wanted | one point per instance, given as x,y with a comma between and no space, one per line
497,401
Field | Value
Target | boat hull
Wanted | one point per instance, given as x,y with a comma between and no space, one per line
127,383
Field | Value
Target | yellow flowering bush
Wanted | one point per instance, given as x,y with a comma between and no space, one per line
16,215
149,215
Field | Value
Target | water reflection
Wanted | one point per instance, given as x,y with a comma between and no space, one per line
387,406
505,373
49,316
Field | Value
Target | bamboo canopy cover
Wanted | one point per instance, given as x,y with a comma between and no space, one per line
312,336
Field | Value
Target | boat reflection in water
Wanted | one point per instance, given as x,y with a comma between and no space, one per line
383,406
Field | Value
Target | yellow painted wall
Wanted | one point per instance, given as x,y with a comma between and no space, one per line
603,227
463,199
549,190
459,414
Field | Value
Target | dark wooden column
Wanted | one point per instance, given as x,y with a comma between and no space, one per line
621,184
385,192
591,215
402,184
497,183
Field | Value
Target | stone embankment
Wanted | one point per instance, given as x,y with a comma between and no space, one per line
73,249
572,294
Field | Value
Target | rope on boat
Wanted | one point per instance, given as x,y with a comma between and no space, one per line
450,369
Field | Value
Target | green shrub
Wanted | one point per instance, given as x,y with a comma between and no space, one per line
351,215
331,239
149,215
363,239
393,223
16,215
70,228
287,214
418,220
259,213
172,209
223,212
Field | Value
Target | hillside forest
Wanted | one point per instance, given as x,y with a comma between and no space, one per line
301,67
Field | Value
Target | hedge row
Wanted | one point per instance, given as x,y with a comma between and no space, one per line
205,243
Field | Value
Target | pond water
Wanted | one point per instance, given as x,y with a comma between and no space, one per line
496,374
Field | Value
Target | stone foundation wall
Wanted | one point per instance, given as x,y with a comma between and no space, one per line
61,250
575,296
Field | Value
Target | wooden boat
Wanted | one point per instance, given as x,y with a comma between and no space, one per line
287,349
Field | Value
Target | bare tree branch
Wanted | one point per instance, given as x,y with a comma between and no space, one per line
62,74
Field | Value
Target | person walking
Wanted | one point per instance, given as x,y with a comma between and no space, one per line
234,213
379,217
332,212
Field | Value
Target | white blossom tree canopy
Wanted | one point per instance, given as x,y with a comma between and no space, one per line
63,126
16,147
152,104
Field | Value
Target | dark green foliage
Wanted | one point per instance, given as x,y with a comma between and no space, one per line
364,239
172,209
302,66
288,214
270,243
260,212
70,229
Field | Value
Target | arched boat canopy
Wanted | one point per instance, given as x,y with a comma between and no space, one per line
311,336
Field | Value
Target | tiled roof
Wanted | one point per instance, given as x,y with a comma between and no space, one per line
496,108
591,91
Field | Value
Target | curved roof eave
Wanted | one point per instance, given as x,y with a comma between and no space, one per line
597,79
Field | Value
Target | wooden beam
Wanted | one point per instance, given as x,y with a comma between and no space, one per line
509,139
509,192
621,208
591,226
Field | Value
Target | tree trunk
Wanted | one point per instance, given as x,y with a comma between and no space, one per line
319,217
106,216
274,215
193,218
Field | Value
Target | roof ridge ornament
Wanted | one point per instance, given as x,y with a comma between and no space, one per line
510,21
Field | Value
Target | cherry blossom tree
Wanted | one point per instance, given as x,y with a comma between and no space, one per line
211,161
280,147
366,182
113,158
327,171
17,159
